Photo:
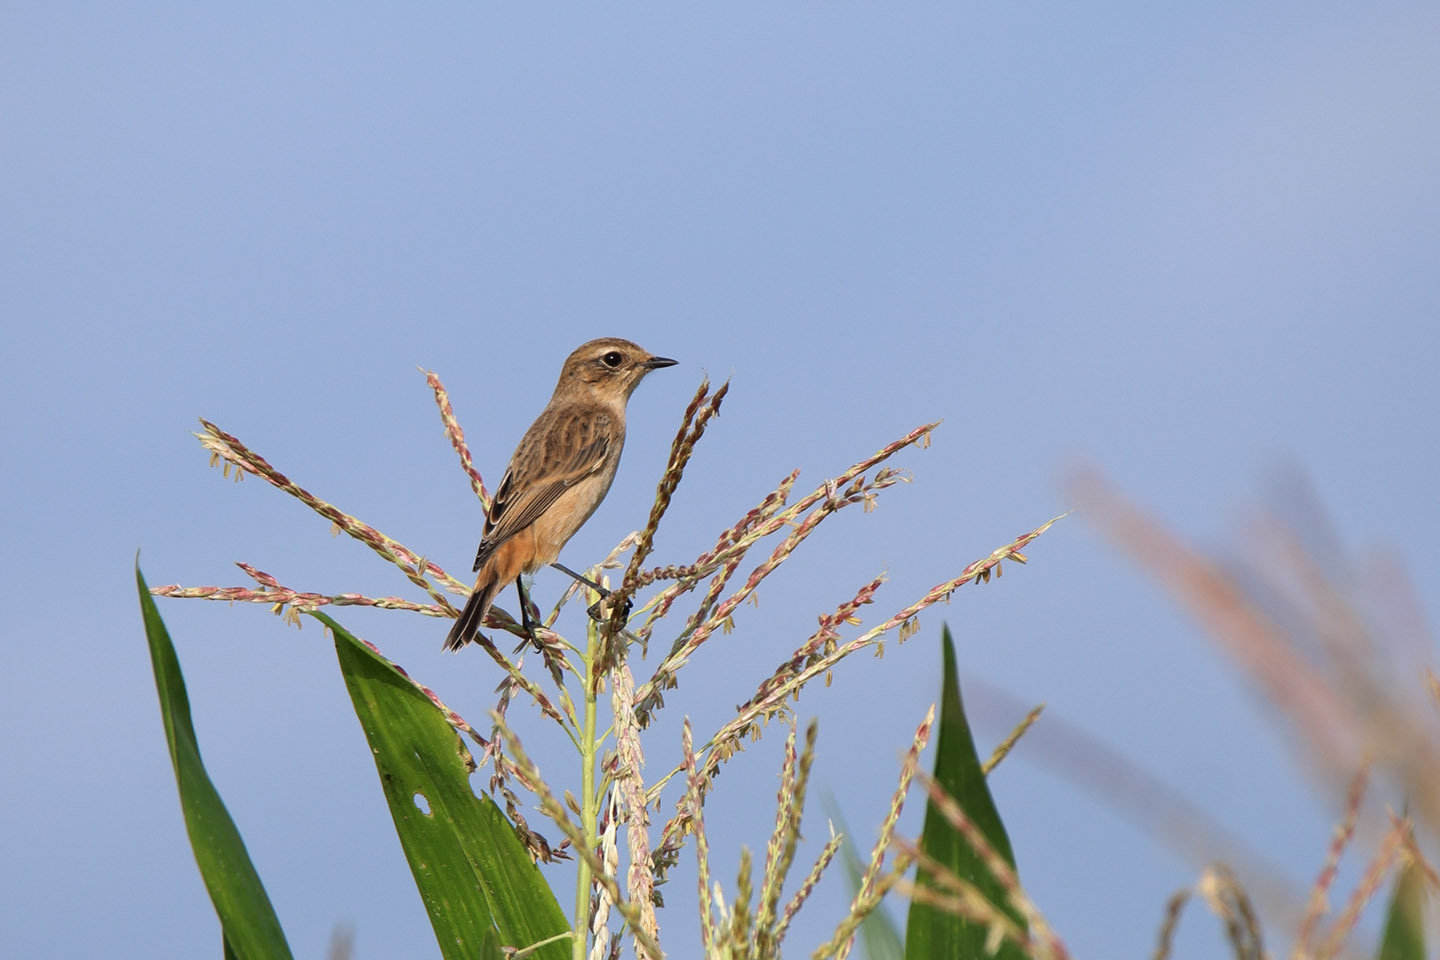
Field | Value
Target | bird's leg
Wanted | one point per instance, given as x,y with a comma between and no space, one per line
594,608
604,594
527,624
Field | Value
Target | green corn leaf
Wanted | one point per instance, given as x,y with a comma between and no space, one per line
470,868
930,933
248,923
1404,937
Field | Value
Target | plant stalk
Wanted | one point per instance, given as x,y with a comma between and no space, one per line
589,803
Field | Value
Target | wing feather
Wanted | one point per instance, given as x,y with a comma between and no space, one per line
531,485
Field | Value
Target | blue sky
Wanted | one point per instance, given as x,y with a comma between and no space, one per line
1185,246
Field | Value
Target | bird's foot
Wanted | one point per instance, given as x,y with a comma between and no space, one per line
530,626
600,613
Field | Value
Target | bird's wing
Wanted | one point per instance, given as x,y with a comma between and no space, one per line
531,484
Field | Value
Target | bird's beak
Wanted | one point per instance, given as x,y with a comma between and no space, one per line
655,363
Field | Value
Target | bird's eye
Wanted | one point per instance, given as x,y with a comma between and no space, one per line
612,359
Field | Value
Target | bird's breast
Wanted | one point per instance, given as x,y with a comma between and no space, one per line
554,528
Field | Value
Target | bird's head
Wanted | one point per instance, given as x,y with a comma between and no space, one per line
609,368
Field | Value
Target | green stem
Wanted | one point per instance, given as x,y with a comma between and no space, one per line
589,803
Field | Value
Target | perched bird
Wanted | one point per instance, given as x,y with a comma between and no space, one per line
558,474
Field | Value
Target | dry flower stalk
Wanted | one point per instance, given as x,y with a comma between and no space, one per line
1319,647
1320,892
780,852
727,558
709,931
964,899
845,932
1228,900
1048,943
741,918
1173,908
600,912
703,406
1002,750
1415,856
740,931
457,438
755,924
1386,859
553,808
865,899
630,763
225,447
805,665
827,855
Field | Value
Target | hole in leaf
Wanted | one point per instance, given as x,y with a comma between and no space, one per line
422,804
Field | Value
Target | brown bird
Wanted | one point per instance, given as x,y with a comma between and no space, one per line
557,476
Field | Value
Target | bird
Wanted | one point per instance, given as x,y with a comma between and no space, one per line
557,477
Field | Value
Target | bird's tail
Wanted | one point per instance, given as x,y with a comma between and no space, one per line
468,623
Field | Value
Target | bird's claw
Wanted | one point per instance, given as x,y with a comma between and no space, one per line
530,626
599,614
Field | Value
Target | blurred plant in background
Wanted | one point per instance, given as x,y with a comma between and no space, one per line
1340,653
